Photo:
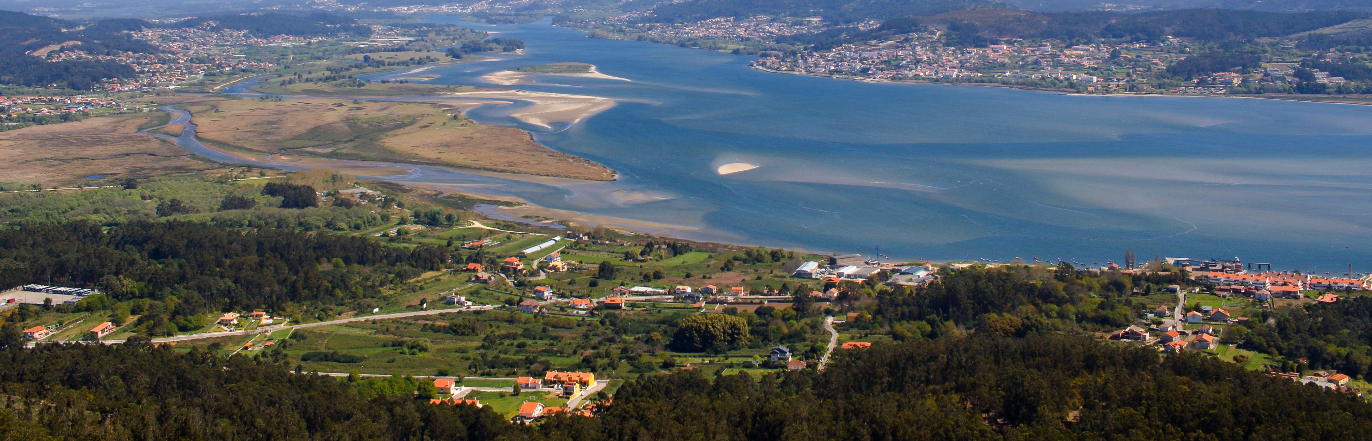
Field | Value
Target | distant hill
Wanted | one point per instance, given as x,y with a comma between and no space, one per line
836,11
21,33
1156,5
1200,24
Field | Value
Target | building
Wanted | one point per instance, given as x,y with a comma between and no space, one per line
1194,317
709,290
1134,333
571,389
1170,336
1204,342
614,303
36,333
1327,298
1174,347
457,300
682,290
530,411
1162,311
581,303
1219,315
795,365
455,401
259,315
1205,329
585,379
474,268
856,345
552,258
228,319
530,383
102,330
737,291
543,292
780,354
806,270
530,306
446,386
1339,379
512,265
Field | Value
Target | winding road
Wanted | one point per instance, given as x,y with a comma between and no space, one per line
833,341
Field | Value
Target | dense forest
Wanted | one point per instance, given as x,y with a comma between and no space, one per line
185,269
983,387
1334,336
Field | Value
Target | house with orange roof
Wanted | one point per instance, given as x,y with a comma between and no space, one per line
1328,298
228,319
543,292
1170,336
614,303
1339,379
1194,317
1204,342
581,303
530,410
529,383
512,265
795,365
856,345
1219,315
709,290
455,401
258,315
571,389
737,291
36,333
474,268
1174,347
1284,291
102,330
446,386
585,379
530,306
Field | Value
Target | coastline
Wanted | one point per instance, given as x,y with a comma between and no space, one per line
546,108
1275,97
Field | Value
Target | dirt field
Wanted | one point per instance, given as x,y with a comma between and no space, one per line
382,131
62,154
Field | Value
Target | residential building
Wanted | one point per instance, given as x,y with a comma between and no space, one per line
1134,333
571,389
581,303
681,290
709,290
1328,298
455,401
543,292
1204,342
795,365
1205,329
446,386
512,265
585,379
1174,347
856,345
780,354
530,383
474,268
737,291
36,333
1220,315
1170,336
530,306
614,303
1339,379
228,319
1194,318
1162,311
102,330
530,410
457,300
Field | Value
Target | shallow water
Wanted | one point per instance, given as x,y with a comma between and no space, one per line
939,172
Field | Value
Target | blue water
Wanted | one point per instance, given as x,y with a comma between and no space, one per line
942,172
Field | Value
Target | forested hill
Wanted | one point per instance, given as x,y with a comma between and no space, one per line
959,388
21,33
275,23
836,11
1199,24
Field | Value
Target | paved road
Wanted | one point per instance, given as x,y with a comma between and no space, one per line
270,329
833,341
589,392
1180,313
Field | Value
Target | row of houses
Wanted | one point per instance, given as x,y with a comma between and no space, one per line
1281,281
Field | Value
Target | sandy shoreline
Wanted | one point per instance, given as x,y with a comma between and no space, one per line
547,107
511,78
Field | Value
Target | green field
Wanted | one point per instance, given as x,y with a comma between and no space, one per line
508,405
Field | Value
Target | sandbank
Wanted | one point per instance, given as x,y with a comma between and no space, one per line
736,167
510,78
547,107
